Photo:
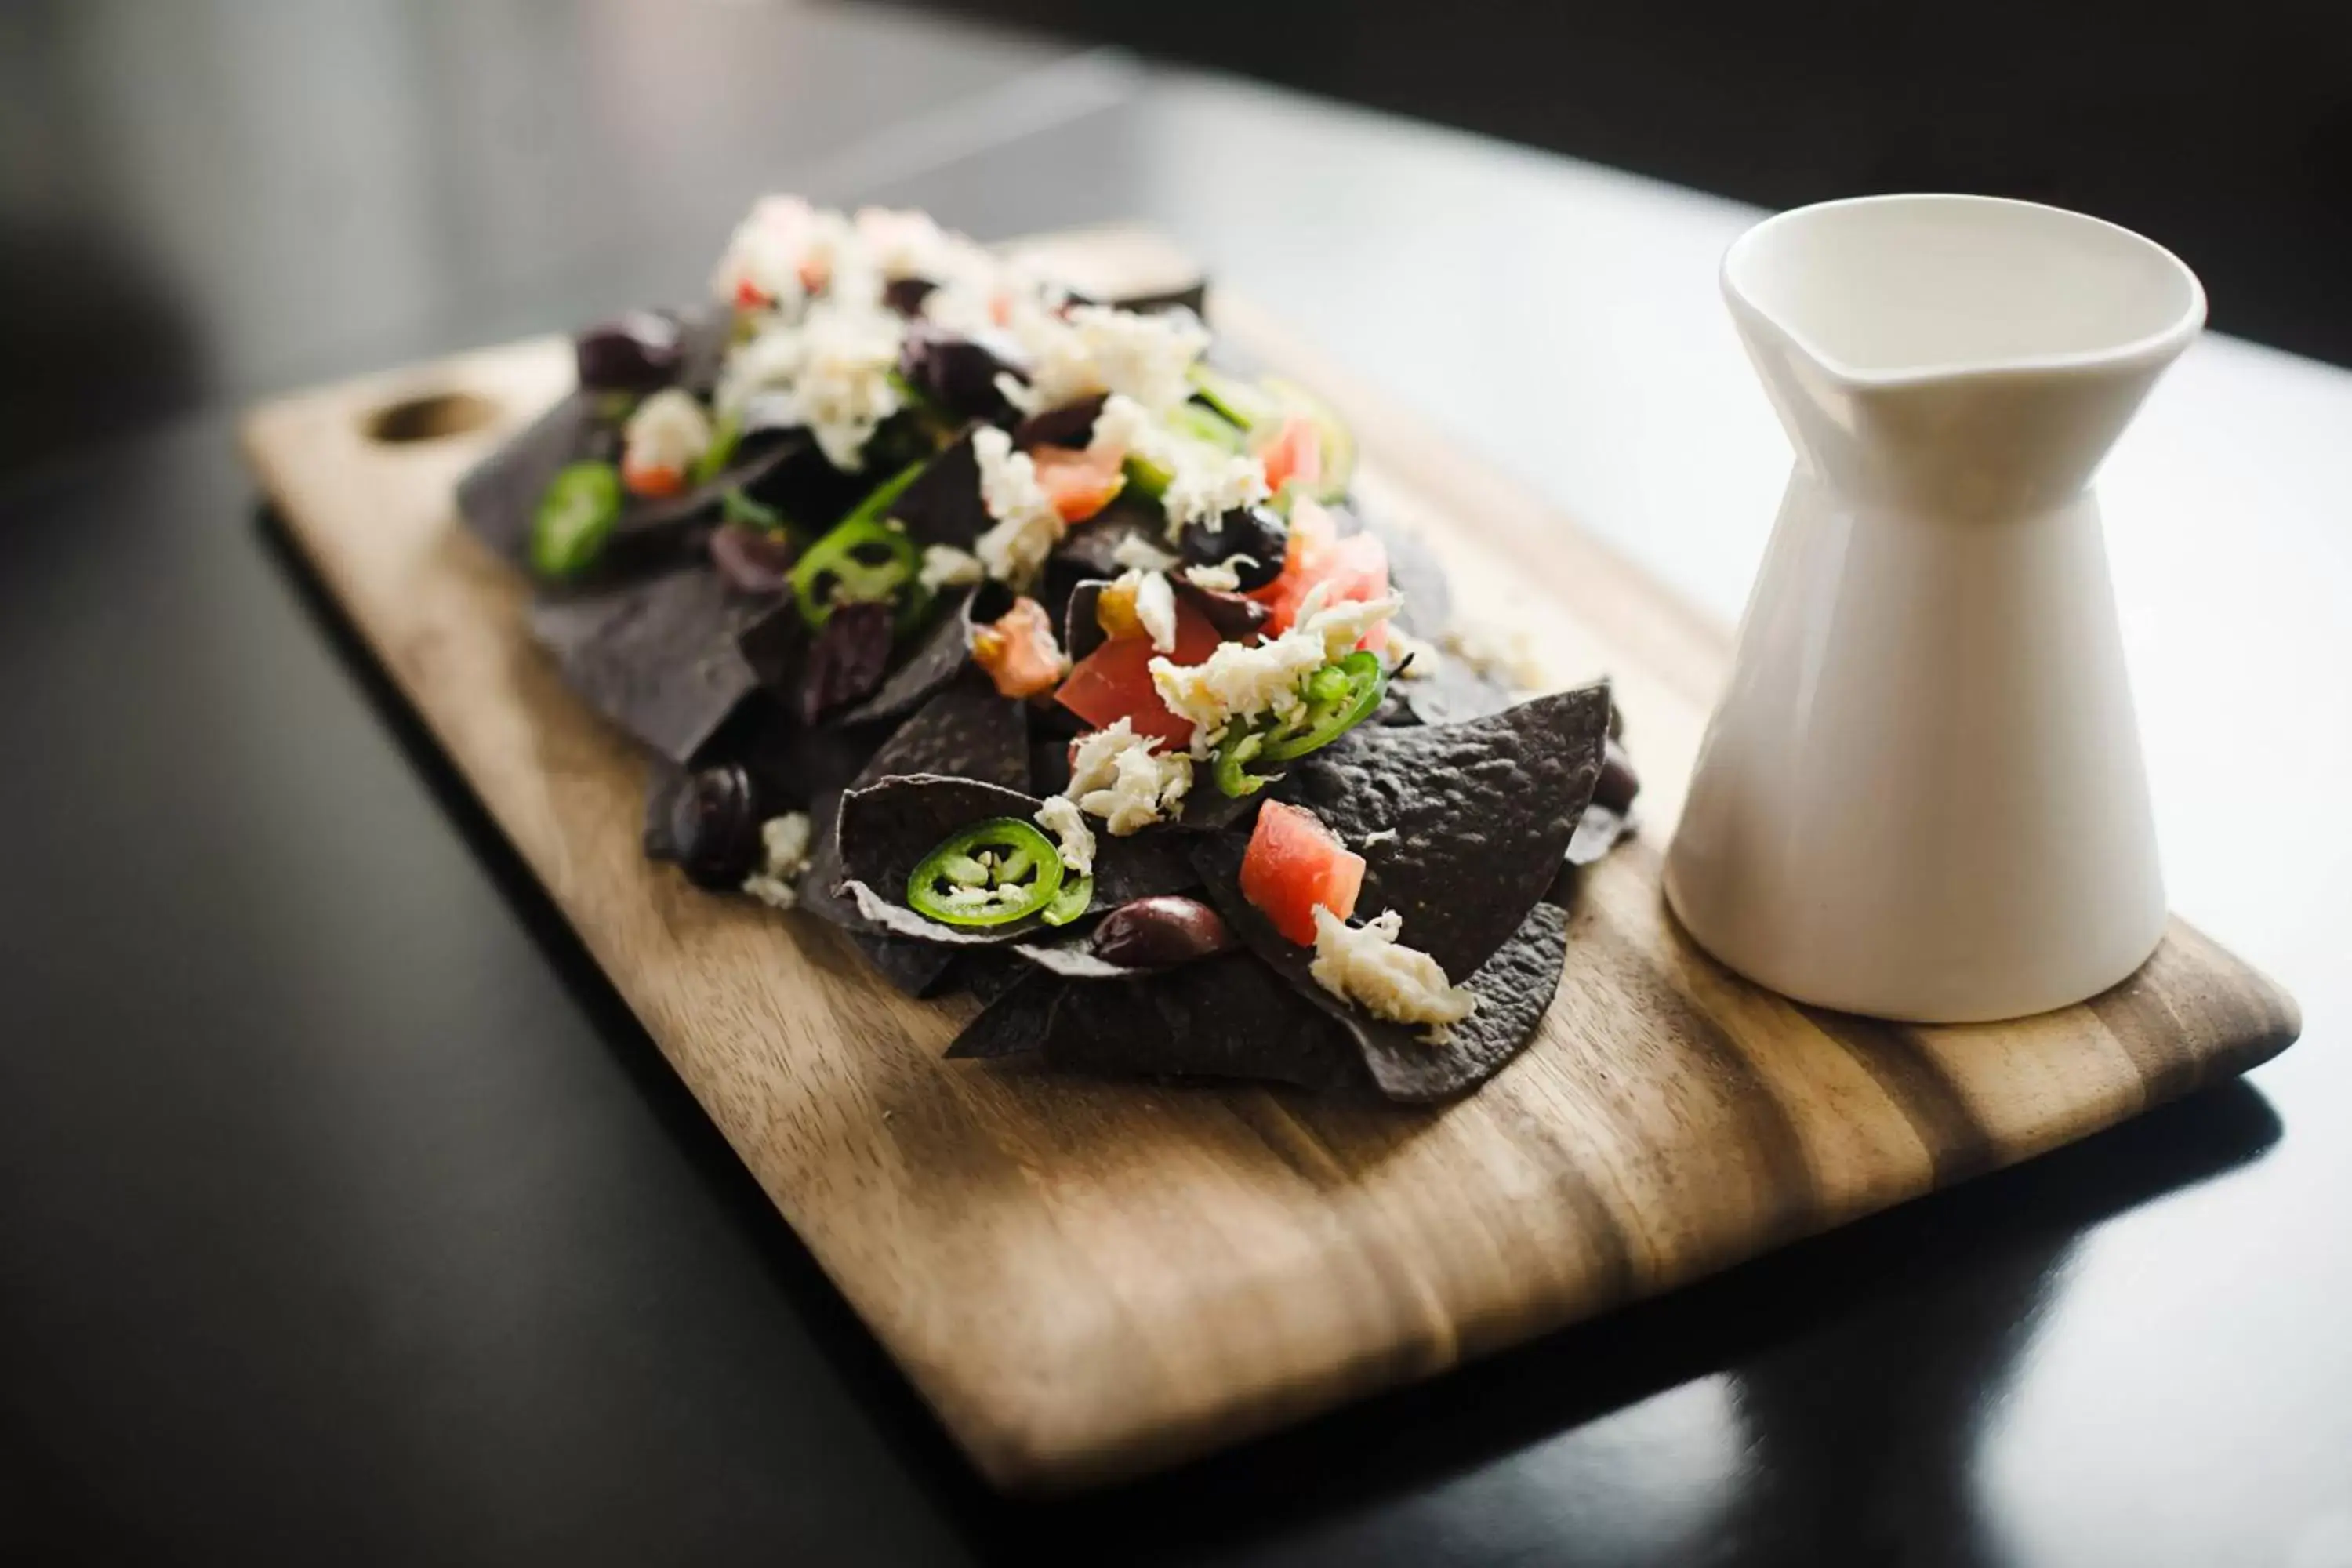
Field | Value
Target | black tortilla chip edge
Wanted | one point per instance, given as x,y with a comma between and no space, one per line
1461,826
1515,988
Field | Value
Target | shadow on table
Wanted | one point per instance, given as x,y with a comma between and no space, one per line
1858,1363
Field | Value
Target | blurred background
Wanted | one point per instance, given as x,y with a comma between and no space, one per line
220,196
2222,131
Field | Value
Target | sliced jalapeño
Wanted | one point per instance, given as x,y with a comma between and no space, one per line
990,873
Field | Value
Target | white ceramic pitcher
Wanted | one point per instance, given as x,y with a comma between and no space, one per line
1922,797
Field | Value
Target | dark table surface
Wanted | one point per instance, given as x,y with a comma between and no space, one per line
347,1217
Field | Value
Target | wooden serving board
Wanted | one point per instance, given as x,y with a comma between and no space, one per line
1089,1279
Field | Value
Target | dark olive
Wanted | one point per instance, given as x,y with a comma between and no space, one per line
955,373
1230,615
751,559
713,825
1618,783
906,295
640,351
1072,424
1256,532
848,658
1154,932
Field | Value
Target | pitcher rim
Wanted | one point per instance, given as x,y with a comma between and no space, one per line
2156,348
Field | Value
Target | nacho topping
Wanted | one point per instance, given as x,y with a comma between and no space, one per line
1061,817
1094,349
1136,554
1367,965
814,546
663,440
990,873
945,567
784,845
1126,779
1028,525
1295,868
1241,681
1152,603
1018,650
1222,577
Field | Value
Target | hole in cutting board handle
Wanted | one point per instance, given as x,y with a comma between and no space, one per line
432,417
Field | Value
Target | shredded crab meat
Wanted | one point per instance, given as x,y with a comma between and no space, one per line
1028,524
1240,683
1123,778
1368,965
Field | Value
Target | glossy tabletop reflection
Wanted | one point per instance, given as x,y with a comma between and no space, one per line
345,1214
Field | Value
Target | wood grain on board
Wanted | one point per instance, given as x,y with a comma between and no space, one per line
1090,1278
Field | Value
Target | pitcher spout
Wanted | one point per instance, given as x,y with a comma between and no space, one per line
1959,355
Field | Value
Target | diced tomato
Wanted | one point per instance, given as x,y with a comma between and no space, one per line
749,296
1079,484
999,307
1359,572
1114,682
1292,864
652,480
1018,650
813,272
1356,567
1294,455
1304,559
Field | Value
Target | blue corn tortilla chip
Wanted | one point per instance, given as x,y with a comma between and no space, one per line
1082,631
886,828
1089,551
967,729
922,969
498,498
658,658
1013,1023
1140,866
703,333
648,527
1233,616
1514,986
1074,958
1230,1016
938,657
943,506
658,835
792,764
1447,691
1461,826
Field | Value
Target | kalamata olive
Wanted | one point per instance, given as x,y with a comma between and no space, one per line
1153,932
1230,615
847,661
1618,784
714,816
752,560
1072,424
1256,532
958,374
906,295
638,352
